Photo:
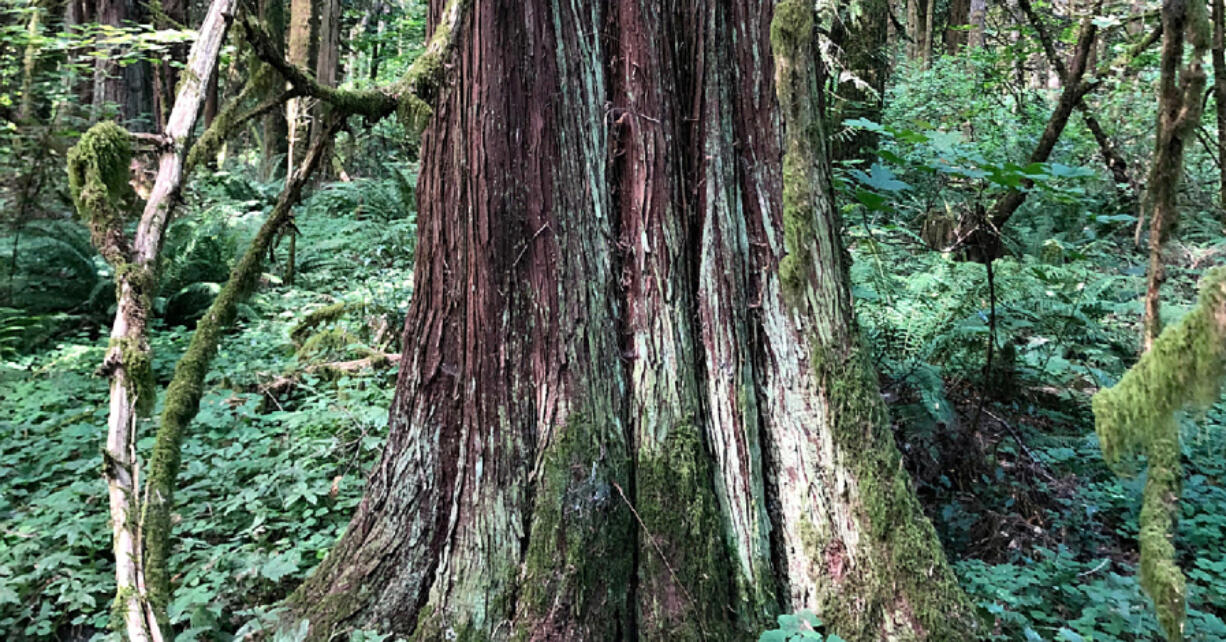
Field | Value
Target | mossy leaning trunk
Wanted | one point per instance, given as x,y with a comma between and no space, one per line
98,173
1184,368
631,403
1180,85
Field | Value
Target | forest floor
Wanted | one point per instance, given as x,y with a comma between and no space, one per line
1041,533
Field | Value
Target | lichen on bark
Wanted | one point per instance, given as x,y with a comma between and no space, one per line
902,585
1138,416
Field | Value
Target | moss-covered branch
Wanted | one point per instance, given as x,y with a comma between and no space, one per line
187,386
372,103
231,117
412,97
1137,416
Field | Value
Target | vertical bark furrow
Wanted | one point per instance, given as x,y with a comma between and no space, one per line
682,569
608,424
725,301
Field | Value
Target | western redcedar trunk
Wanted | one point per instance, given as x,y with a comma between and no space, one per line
632,403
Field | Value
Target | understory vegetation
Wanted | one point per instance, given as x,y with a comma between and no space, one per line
293,416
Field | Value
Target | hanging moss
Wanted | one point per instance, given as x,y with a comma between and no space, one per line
1137,416
98,182
98,171
414,113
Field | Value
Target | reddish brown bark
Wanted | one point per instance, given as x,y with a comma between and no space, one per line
606,425
166,74
108,90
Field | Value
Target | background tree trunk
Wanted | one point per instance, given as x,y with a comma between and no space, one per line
864,54
630,404
298,52
274,139
1219,92
955,28
166,75
919,24
109,92
1179,111
979,21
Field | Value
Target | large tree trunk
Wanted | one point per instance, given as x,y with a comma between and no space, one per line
631,404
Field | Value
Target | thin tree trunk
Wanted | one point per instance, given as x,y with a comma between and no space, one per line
1219,92
926,42
298,110
1114,161
1075,89
1179,111
187,385
631,404
298,52
915,27
29,65
127,360
979,21
274,142
211,98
